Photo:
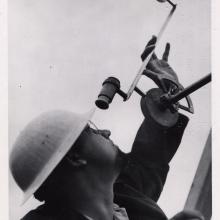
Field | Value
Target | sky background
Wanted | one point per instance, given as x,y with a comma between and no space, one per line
60,52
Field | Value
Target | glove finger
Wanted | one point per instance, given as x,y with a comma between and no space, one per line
149,47
152,41
166,52
147,51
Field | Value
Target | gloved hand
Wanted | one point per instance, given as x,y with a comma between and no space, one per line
188,215
159,70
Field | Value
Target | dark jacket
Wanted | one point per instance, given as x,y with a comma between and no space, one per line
141,182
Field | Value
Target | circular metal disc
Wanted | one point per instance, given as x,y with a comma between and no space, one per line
152,107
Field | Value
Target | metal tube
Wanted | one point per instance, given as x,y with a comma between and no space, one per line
171,3
146,61
136,89
190,89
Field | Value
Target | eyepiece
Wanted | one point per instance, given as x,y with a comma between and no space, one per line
109,88
102,102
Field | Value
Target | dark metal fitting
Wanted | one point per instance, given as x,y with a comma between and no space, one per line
164,100
110,87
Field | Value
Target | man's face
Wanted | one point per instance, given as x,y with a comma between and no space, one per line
99,149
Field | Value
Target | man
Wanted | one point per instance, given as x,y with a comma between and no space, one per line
81,174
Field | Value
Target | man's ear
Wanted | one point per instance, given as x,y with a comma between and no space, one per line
76,160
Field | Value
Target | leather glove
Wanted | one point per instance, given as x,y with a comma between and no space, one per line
158,69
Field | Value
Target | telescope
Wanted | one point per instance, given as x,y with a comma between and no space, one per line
162,105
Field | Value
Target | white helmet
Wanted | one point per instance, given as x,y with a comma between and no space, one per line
42,145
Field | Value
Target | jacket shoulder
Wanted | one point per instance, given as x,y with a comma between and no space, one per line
36,215
33,216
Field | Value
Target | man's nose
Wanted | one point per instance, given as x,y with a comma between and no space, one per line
105,133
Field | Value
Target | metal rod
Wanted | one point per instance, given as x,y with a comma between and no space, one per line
165,23
190,89
136,89
122,94
171,3
146,61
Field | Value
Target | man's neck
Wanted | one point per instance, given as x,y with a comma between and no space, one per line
91,196
97,203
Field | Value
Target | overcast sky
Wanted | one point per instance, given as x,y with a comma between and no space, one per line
60,52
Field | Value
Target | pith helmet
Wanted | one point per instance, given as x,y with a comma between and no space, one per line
41,146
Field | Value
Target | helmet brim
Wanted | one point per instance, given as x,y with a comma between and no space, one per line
58,156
